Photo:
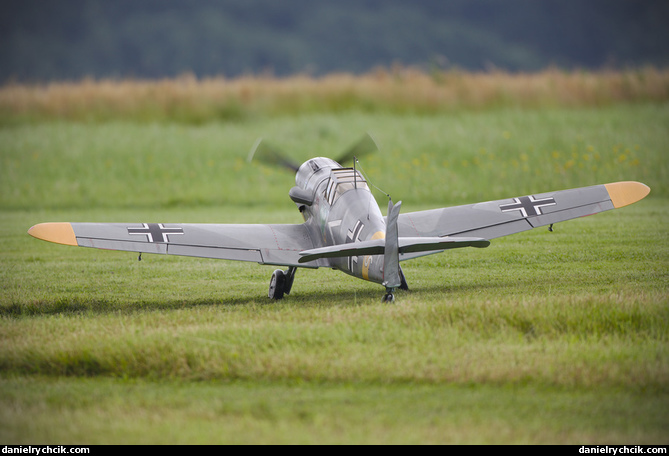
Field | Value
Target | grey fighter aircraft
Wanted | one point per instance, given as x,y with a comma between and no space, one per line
343,227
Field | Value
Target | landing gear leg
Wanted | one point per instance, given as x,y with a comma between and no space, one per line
281,283
290,276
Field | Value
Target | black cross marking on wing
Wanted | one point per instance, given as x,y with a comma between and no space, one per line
528,205
155,232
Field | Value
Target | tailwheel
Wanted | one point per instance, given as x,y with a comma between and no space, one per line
389,297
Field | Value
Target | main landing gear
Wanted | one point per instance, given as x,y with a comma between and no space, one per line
281,283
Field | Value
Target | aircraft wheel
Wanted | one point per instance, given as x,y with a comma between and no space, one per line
389,298
277,285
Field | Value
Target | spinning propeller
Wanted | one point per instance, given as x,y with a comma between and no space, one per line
270,155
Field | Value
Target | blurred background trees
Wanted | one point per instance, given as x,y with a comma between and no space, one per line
73,39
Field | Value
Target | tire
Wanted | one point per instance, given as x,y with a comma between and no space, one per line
277,285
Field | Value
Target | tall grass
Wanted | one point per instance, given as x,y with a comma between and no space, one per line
398,90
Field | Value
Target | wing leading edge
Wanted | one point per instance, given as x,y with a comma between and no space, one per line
494,219
264,244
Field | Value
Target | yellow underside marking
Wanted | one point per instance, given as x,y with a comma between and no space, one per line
367,261
60,233
625,193
378,235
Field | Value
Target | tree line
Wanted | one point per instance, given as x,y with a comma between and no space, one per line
72,39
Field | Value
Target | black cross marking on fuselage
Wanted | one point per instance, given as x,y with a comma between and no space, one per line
155,232
354,236
528,205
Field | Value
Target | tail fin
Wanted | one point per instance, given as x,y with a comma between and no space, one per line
391,255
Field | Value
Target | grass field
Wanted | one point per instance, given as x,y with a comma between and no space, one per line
541,338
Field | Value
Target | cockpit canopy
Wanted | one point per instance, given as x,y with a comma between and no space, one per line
341,181
314,171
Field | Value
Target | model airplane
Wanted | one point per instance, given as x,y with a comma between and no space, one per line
343,227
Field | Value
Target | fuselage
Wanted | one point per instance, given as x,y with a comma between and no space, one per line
342,210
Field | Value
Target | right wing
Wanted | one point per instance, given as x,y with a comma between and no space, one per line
264,244
494,219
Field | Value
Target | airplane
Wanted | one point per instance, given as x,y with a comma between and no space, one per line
343,227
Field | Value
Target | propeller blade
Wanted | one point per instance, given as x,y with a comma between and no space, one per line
269,155
365,146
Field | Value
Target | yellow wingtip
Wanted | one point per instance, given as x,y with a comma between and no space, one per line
60,233
625,193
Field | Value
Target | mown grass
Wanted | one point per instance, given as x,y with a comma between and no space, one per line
110,411
429,160
541,338
544,298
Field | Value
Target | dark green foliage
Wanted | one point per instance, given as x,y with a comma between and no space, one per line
148,39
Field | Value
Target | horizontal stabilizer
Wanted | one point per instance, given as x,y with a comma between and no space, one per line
374,247
427,244
406,245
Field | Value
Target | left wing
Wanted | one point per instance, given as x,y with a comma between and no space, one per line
494,219
264,244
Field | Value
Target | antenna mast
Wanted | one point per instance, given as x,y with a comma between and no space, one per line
355,174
